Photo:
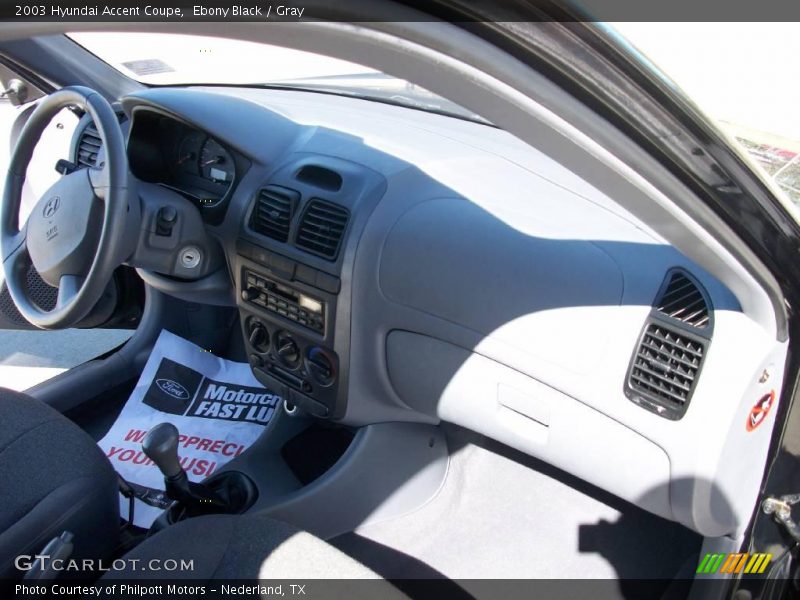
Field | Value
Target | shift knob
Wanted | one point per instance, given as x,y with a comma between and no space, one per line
161,446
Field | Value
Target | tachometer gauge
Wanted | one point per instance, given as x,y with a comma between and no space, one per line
188,155
216,163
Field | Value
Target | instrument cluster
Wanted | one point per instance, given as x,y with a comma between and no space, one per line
185,159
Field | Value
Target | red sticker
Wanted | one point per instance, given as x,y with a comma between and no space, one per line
758,414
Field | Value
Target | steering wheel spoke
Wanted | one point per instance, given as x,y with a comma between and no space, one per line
99,179
68,288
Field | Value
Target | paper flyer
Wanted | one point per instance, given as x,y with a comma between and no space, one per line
217,405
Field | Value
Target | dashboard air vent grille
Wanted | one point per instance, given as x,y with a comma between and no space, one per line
666,366
272,213
88,146
89,143
683,300
322,227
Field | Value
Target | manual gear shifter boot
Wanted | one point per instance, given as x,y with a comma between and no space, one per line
226,492
161,446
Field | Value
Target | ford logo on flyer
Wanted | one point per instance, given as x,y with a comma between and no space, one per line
173,388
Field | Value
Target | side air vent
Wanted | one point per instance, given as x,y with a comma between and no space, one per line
664,370
683,300
321,228
88,146
273,210
666,363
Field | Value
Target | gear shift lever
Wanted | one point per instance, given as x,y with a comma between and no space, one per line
161,446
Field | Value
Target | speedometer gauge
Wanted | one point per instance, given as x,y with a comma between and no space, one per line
216,163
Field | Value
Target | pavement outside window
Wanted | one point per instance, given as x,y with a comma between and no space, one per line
739,75
30,357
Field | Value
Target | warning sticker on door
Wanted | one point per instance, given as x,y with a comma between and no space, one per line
217,405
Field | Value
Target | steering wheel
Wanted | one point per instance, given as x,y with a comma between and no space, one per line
81,229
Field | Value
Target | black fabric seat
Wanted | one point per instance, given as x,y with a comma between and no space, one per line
54,478
240,547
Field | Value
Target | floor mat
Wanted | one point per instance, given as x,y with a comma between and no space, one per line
217,405
502,514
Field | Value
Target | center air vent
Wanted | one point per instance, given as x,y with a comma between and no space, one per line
272,213
321,228
88,146
682,299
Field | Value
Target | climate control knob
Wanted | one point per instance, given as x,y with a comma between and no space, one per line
321,366
287,350
258,336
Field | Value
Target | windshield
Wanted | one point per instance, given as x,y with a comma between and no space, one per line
173,59
741,76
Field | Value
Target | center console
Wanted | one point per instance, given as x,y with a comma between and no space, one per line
287,323
298,234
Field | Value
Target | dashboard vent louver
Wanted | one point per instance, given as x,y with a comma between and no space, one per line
88,146
321,228
667,361
666,366
683,300
89,143
272,213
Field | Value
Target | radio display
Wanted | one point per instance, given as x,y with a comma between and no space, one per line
310,304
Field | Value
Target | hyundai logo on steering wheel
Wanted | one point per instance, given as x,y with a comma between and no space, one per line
51,206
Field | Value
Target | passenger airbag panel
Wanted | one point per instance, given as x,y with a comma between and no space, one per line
486,396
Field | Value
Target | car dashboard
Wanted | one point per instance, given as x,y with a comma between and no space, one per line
390,264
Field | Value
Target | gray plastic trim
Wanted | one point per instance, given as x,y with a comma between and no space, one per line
390,469
214,288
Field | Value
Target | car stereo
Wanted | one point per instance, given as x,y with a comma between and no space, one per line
284,301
